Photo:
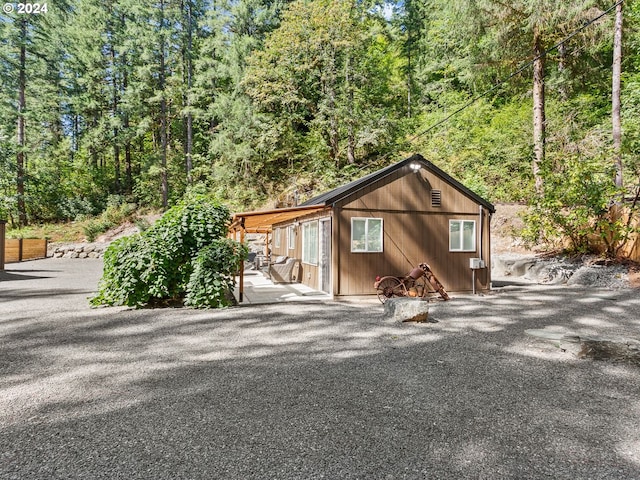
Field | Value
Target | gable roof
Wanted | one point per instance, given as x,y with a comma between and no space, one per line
333,196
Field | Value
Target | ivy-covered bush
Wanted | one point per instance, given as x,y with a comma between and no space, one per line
212,278
156,265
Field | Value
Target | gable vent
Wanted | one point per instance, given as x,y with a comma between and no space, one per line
436,198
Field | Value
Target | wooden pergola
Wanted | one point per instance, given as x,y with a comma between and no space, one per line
262,221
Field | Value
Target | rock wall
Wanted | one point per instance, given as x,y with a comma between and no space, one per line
585,271
79,250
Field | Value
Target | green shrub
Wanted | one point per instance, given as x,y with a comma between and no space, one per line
213,277
95,227
115,214
157,265
142,224
574,212
123,281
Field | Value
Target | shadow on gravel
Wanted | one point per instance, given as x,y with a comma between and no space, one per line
19,294
310,390
8,276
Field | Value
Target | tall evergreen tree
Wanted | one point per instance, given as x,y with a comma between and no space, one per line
326,76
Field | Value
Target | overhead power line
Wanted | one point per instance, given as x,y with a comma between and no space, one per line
516,72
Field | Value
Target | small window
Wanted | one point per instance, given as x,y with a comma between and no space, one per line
310,243
436,198
291,237
462,235
276,238
366,235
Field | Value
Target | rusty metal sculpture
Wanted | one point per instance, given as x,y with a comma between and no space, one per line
418,283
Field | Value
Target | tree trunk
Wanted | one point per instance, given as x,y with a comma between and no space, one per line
538,112
163,148
20,157
351,136
163,117
409,47
615,96
189,69
127,146
116,132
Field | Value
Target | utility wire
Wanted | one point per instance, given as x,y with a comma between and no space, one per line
515,73
502,82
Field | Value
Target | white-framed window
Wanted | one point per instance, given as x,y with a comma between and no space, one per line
462,235
291,237
310,242
276,237
366,235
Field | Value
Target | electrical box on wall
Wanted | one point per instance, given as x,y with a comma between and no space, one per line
476,263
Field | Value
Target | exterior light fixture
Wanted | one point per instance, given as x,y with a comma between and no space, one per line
415,167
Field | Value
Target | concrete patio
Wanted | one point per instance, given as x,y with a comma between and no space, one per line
258,289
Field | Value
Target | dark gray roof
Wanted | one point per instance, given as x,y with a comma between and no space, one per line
337,194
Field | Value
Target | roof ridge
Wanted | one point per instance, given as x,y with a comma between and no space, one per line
330,197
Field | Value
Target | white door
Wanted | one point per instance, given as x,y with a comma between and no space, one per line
324,256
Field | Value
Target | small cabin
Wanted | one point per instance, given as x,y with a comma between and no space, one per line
385,223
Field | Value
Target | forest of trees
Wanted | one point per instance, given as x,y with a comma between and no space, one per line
256,99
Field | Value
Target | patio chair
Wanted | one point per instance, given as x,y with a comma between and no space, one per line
250,262
282,272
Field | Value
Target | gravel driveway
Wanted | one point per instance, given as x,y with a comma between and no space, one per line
311,390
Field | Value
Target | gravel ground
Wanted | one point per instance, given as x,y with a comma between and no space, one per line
312,390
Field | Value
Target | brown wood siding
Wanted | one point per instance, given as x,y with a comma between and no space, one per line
402,191
414,232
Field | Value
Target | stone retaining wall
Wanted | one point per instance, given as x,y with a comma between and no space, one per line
80,250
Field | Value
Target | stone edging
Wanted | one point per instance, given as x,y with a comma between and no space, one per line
79,250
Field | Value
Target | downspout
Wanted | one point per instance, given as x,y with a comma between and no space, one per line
481,233
480,215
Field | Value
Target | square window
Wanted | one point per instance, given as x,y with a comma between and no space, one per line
462,235
291,237
276,238
310,243
366,235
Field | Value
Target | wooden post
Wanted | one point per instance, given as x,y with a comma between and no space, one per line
241,286
2,233
19,250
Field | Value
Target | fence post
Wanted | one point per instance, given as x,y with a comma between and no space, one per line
2,244
19,250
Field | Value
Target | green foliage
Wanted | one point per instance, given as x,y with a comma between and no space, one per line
283,95
214,268
156,265
328,81
117,212
576,208
486,147
96,227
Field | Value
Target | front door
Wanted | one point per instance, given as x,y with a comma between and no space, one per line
324,259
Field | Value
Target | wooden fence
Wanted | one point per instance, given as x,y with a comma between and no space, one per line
631,250
19,249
